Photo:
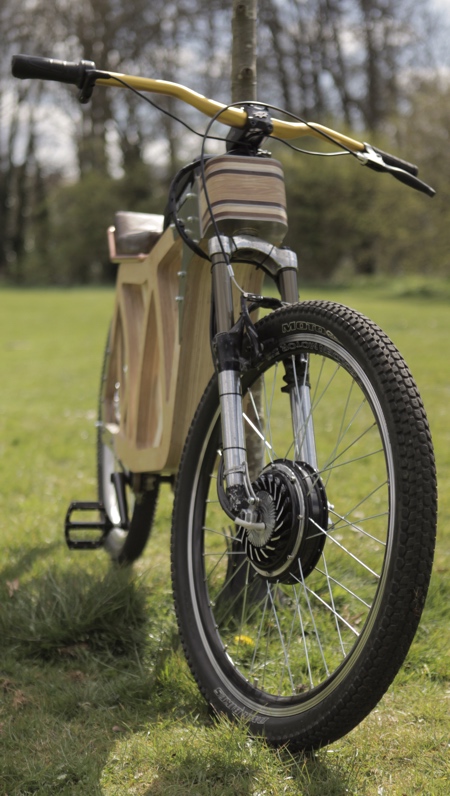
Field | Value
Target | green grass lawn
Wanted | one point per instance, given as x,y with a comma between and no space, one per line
95,696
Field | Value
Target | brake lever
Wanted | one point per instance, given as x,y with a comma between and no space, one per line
374,161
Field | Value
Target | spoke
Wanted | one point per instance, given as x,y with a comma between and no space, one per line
315,402
302,630
244,602
330,591
278,593
342,586
224,535
288,452
259,433
286,661
256,606
346,550
311,614
316,633
268,635
227,582
349,524
333,611
258,638
269,408
331,462
318,379
331,467
291,634
341,433
373,492
243,609
222,555
329,607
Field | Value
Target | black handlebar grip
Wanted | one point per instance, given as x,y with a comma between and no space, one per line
25,66
413,182
398,163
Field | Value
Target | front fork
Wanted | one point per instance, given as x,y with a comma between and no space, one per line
283,265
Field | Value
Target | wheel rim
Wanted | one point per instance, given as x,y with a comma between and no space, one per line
284,645
109,423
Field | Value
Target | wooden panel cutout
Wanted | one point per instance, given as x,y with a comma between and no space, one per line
150,412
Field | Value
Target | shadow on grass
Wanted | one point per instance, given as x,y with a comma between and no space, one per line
92,673
265,776
59,609
84,660
24,561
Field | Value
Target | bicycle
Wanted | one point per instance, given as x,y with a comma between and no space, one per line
305,492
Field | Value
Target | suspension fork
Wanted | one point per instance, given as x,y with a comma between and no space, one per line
297,379
227,345
226,353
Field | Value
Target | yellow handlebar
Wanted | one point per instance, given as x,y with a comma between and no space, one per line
84,75
234,117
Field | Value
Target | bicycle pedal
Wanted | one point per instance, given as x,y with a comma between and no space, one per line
103,526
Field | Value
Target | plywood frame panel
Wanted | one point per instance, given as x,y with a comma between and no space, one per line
157,371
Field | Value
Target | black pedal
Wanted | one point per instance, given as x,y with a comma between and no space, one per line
103,526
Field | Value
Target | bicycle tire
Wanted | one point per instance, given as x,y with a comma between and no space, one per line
123,546
305,655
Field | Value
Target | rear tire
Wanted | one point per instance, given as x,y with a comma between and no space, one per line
303,646
123,546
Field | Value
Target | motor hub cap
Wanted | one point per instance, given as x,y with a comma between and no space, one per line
294,509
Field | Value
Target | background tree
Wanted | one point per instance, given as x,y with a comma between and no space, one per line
362,64
243,50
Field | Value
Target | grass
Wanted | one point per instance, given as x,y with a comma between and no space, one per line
95,696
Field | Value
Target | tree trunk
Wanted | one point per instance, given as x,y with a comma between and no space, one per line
243,88
243,56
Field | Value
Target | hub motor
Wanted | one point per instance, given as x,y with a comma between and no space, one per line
294,509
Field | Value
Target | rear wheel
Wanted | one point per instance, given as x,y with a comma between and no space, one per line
301,629
124,544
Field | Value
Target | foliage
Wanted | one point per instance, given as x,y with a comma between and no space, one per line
74,248
364,65
95,695
346,220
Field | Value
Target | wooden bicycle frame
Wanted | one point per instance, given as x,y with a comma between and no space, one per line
159,356
160,364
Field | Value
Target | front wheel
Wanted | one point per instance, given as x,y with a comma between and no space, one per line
301,629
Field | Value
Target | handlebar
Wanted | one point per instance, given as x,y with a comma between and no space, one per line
84,75
403,171
24,66
398,163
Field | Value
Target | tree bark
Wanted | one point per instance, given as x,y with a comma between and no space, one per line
243,88
243,55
